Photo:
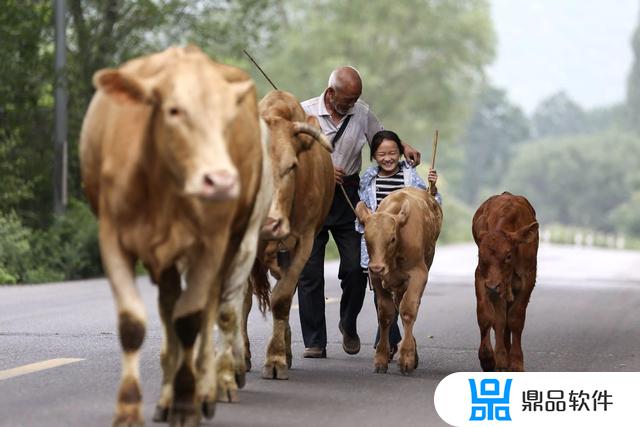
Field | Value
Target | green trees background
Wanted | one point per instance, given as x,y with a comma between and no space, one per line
423,65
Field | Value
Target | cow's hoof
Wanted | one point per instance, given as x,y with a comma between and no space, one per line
228,395
128,416
406,367
241,379
161,415
488,364
184,418
247,362
289,360
184,415
208,409
380,369
128,423
275,372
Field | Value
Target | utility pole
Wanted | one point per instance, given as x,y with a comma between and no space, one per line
61,96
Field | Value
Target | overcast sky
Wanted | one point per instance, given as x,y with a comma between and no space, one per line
579,46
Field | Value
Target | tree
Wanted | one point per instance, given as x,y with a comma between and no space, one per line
633,84
558,115
421,61
495,129
26,65
577,180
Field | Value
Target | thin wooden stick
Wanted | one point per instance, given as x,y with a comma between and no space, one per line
435,147
261,70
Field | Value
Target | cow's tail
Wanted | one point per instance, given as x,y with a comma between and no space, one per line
261,286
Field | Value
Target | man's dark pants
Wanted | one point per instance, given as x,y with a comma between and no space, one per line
340,222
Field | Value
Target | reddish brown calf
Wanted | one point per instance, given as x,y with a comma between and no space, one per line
506,232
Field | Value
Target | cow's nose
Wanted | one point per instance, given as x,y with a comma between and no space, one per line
275,228
493,289
376,268
220,185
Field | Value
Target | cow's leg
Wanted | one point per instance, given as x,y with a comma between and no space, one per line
386,315
276,365
515,320
119,267
408,359
500,326
230,361
168,293
246,309
196,311
485,315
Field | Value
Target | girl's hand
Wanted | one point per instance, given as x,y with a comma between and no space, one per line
433,176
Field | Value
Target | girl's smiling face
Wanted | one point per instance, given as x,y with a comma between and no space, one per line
388,157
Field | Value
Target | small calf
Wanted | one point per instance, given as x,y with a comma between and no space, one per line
401,238
506,232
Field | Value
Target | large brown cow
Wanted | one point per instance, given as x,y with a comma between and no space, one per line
506,232
174,166
304,187
401,239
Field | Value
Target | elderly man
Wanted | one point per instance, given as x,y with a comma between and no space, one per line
350,124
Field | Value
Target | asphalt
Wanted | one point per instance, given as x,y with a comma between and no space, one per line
574,323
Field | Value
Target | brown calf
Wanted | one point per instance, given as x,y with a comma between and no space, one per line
401,239
506,232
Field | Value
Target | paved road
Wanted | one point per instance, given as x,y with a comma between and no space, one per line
572,325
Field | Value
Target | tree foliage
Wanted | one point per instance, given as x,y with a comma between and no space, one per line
420,61
577,180
494,130
633,84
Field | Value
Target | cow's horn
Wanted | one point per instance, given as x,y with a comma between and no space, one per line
301,127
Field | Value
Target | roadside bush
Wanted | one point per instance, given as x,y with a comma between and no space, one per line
69,247
14,249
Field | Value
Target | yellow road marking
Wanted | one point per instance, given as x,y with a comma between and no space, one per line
326,301
35,367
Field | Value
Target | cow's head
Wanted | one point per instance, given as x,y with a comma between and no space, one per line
382,233
193,109
497,257
288,140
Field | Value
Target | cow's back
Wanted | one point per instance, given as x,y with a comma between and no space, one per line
419,235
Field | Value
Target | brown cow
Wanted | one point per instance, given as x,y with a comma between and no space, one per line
401,240
506,232
304,187
173,164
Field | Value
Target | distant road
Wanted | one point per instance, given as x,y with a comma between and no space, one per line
573,324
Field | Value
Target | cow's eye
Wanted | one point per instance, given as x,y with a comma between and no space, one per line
393,240
292,168
174,111
507,259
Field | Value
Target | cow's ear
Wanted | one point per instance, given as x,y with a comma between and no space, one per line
363,213
122,86
403,215
242,89
526,234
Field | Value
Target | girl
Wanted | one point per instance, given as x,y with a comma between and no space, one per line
377,182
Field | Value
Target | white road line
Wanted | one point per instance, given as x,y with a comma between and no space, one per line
326,301
35,367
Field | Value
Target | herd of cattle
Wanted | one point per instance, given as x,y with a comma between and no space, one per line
189,174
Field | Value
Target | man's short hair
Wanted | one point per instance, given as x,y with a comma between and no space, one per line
333,78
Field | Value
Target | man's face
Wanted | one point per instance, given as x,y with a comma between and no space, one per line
341,101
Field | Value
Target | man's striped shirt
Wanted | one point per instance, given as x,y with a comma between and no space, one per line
385,185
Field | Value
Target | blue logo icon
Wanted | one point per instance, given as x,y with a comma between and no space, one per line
487,404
